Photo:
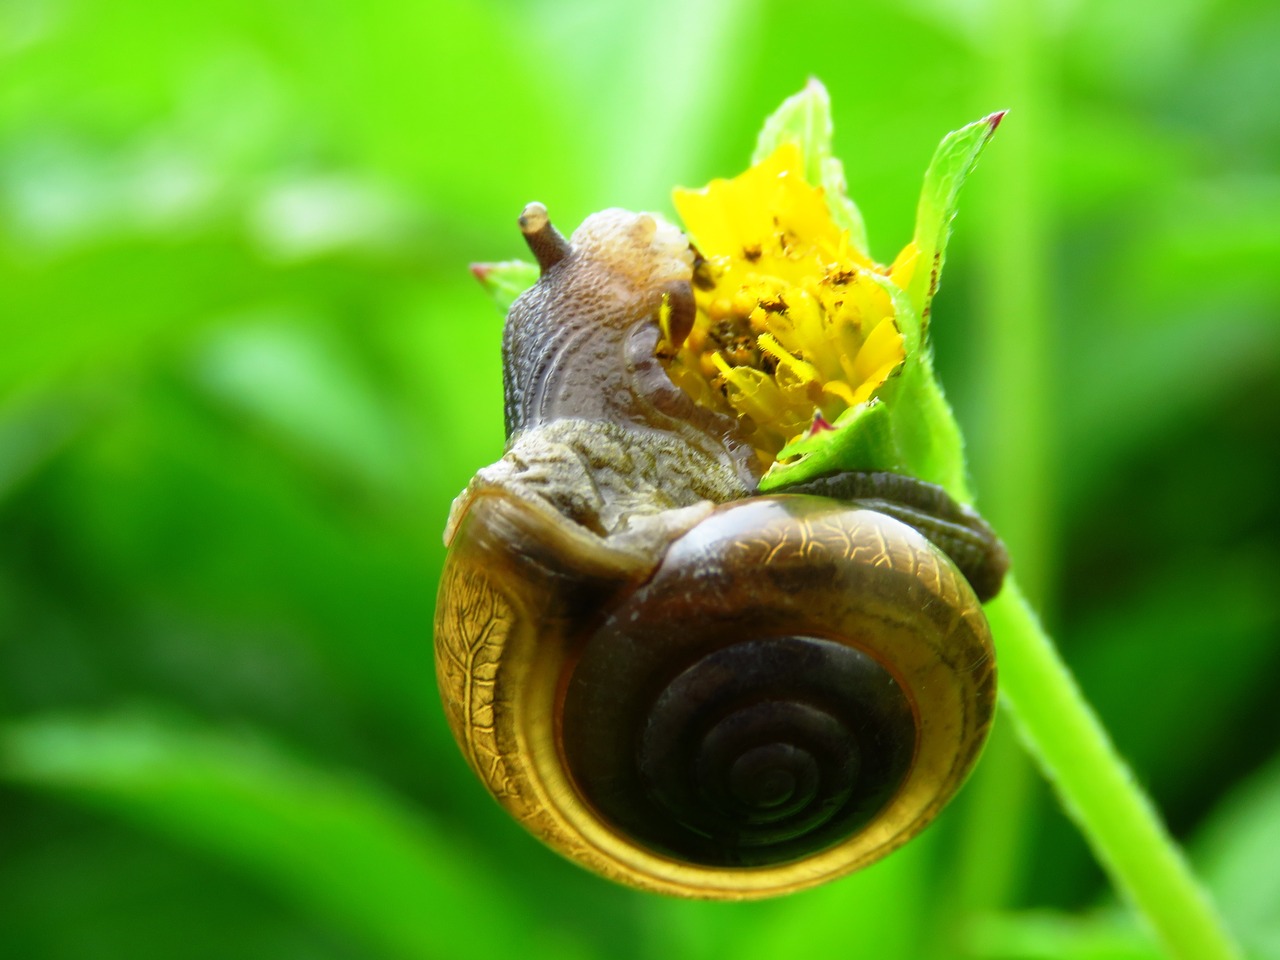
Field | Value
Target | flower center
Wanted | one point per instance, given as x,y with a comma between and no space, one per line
791,323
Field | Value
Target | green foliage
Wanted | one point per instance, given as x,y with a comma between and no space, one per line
335,844
861,438
505,281
951,165
245,368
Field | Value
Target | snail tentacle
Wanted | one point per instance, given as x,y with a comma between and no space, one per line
546,243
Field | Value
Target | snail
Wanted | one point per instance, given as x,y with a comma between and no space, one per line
679,683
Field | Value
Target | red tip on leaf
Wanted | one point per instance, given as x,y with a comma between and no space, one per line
993,121
819,425
481,271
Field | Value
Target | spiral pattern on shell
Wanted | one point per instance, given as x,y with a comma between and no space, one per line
758,752
755,702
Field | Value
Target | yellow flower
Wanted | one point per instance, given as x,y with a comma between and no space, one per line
792,325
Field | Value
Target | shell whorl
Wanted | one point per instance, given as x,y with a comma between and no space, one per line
756,753
610,751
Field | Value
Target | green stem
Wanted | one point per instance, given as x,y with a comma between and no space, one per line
1064,735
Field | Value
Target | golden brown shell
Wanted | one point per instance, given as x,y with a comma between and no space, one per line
514,626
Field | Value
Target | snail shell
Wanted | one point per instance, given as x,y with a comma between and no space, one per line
679,685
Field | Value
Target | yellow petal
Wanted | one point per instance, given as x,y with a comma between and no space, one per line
873,383
728,217
904,265
883,347
841,391
779,268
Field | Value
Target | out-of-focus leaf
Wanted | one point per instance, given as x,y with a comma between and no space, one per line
506,280
1238,855
1231,602
356,856
289,377
302,218
662,78
77,885
1187,364
806,119
877,912
32,432
870,914
1043,935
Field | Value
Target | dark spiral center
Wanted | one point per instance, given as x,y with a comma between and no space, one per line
759,752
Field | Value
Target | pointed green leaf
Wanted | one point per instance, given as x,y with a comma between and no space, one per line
952,162
806,119
506,280
860,439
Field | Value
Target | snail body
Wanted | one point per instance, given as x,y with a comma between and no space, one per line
678,684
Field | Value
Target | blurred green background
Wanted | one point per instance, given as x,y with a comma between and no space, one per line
244,369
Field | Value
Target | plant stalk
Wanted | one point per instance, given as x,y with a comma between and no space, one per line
1121,825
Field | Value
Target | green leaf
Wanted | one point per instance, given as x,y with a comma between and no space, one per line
34,430
952,162
1045,935
285,372
1237,854
806,119
357,857
506,280
860,439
